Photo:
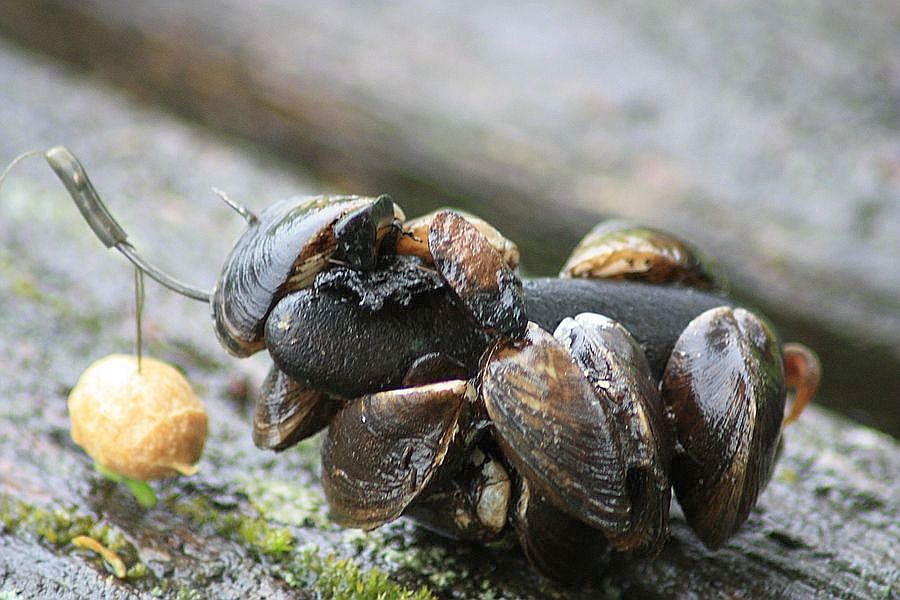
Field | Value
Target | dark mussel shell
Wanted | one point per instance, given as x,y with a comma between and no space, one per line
282,250
473,505
619,249
724,385
434,367
287,412
475,271
382,450
359,233
555,430
330,339
415,238
556,544
614,364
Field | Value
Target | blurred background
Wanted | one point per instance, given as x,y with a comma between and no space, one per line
766,133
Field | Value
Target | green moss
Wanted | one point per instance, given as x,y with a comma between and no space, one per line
788,476
288,503
188,594
59,526
23,286
304,568
342,579
265,539
137,571
433,562
9,595
254,532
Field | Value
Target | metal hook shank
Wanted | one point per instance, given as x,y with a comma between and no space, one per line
73,176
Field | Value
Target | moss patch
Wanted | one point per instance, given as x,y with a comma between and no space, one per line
342,579
288,503
260,537
59,526
330,576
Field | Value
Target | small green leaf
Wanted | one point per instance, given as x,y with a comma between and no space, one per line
141,490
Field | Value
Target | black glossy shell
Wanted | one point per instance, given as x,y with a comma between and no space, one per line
554,542
724,385
282,250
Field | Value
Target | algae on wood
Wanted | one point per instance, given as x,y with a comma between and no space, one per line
253,524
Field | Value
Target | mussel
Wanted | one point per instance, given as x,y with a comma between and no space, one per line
556,412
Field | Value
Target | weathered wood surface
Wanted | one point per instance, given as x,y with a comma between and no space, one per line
828,525
765,133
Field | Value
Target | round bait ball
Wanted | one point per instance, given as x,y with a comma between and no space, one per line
146,425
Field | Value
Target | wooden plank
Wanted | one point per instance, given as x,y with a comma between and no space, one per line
767,135
827,525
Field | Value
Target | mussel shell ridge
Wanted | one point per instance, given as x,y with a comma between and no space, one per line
290,240
554,430
287,412
383,449
614,364
724,385
620,249
476,272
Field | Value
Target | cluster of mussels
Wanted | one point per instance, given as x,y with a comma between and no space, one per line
562,411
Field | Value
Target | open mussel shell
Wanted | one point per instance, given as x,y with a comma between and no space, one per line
473,505
724,386
555,431
283,250
620,249
614,364
434,367
415,238
382,450
287,412
555,543
475,271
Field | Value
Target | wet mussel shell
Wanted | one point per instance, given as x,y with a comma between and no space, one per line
281,250
555,431
287,412
477,273
614,364
473,505
555,543
415,240
619,249
382,450
724,385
